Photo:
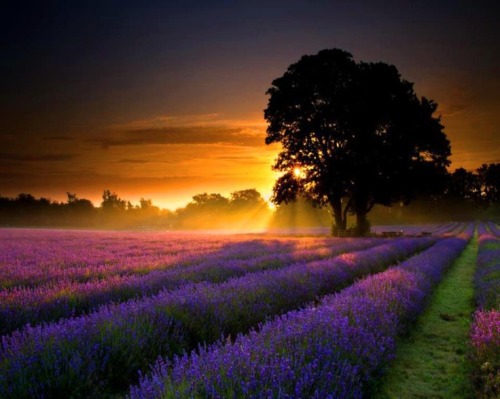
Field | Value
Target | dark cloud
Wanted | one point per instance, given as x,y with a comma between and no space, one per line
184,136
60,138
139,161
38,158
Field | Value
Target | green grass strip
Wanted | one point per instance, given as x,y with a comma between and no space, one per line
431,362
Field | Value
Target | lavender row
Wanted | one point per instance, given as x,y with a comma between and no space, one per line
77,357
34,257
56,300
30,258
485,328
485,354
483,231
487,276
334,350
437,229
494,229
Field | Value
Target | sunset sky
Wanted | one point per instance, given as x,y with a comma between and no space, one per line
165,99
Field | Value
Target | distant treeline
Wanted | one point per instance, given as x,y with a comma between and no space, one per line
467,196
243,209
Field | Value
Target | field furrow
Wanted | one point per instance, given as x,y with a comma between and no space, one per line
432,360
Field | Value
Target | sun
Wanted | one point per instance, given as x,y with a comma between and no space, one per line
297,172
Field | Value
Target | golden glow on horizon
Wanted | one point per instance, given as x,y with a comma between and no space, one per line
271,205
169,167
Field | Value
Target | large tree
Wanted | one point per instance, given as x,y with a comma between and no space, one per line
353,134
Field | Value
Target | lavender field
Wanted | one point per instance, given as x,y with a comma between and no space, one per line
162,314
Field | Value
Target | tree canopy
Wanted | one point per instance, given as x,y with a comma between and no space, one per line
356,132
112,203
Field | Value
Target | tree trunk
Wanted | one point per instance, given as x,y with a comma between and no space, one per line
340,220
362,223
361,210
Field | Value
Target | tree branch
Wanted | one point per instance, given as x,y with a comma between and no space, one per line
369,208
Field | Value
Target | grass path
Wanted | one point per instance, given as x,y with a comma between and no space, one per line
431,361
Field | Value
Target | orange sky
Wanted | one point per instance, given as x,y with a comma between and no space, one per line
170,159
164,100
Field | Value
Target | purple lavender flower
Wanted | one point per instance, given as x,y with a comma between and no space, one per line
65,298
485,328
104,349
332,350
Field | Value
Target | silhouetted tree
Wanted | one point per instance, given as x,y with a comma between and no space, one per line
203,211
244,199
72,198
463,186
79,204
358,133
27,199
211,203
148,212
26,210
145,204
243,209
112,203
489,182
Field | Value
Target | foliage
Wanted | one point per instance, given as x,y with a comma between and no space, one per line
112,203
468,195
358,133
489,181
243,209
479,188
